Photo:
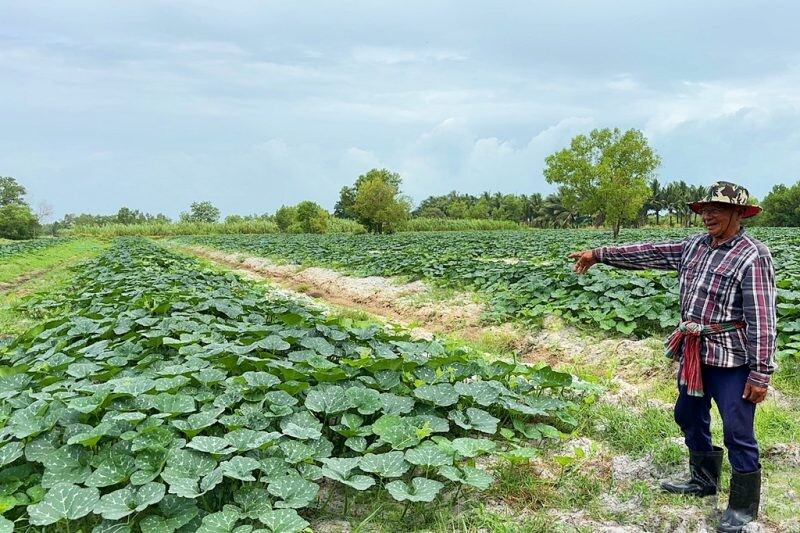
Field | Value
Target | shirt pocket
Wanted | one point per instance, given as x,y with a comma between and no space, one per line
724,269
689,270
721,289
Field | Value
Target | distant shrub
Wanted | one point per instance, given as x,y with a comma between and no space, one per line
179,228
457,224
344,225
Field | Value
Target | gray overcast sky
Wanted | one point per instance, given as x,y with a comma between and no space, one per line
254,104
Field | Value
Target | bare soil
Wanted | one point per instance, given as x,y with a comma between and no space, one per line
392,301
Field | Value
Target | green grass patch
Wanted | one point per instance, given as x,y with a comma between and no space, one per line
787,377
29,264
633,429
56,263
776,424
579,481
458,224
779,495
498,341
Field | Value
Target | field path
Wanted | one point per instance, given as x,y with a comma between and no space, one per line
22,280
404,304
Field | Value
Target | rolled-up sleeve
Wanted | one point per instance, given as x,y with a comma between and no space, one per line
661,256
758,302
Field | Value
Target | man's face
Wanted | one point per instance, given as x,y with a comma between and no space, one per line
721,220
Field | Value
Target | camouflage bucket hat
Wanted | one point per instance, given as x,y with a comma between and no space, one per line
725,192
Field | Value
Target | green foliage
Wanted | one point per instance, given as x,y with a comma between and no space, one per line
524,275
160,396
11,192
311,217
421,490
605,173
159,229
487,206
457,224
201,212
18,222
781,207
345,207
375,201
343,225
7,251
285,216
379,207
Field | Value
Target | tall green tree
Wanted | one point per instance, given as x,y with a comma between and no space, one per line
781,206
285,216
17,220
605,173
311,217
379,206
201,212
656,201
11,192
344,208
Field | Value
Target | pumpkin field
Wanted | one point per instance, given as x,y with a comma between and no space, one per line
146,389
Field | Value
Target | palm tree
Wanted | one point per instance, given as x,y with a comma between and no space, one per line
672,199
685,195
657,199
533,204
555,214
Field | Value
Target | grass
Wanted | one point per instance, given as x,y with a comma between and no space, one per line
240,227
161,229
500,342
787,378
26,264
633,429
54,264
458,224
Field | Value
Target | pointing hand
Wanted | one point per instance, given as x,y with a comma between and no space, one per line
584,261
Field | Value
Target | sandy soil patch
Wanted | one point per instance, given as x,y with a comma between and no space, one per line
396,302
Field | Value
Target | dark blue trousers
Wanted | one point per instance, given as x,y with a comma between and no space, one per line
693,414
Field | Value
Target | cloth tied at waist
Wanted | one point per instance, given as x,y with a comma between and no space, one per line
687,336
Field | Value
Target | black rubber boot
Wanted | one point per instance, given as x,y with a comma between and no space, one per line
704,468
743,503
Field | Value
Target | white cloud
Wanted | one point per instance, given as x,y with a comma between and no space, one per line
359,161
711,100
259,104
396,56
624,83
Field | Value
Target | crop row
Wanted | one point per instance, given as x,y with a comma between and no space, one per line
22,247
161,396
525,275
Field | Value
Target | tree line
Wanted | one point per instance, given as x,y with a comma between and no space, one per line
606,178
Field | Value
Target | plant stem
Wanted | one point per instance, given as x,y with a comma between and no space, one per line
327,500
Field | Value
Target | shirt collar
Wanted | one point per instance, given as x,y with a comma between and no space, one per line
727,244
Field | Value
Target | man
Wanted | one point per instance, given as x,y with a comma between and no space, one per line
725,341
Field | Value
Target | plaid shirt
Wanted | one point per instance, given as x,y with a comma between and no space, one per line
732,282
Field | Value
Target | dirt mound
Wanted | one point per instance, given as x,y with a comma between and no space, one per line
398,302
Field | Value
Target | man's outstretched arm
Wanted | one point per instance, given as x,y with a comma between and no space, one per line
661,256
